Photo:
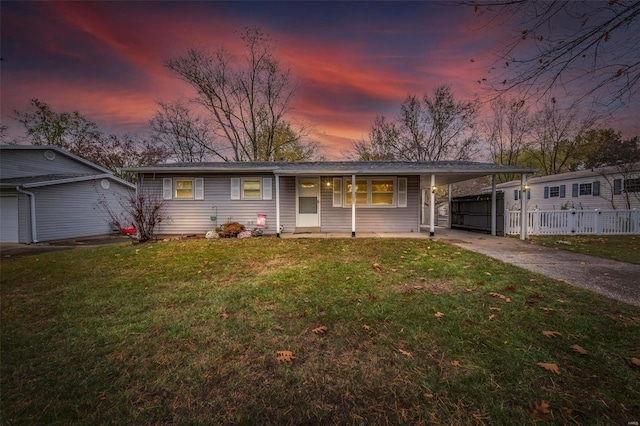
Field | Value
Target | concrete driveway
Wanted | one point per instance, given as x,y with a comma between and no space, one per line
10,250
617,280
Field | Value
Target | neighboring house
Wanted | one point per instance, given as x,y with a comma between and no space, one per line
616,187
47,193
301,197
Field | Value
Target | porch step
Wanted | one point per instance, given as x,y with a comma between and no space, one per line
306,229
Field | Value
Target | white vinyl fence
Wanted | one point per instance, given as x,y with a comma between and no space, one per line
568,222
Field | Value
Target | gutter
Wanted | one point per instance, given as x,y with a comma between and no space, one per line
32,201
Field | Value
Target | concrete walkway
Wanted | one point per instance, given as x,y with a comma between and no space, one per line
617,280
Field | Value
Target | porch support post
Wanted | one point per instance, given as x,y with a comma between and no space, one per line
450,193
432,207
278,206
423,198
353,206
524,216
493,206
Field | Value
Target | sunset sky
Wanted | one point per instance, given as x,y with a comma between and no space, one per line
352,60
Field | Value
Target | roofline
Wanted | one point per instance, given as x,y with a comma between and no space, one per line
69,180
277,171
58,150
571,175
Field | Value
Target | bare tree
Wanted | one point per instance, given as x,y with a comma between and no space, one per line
143,210
188,137
557,147
591,49
248,99
508,133
82,137
433,128
68,130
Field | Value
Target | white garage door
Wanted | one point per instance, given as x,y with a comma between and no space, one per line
9,219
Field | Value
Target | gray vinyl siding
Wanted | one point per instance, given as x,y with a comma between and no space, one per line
193,216
371,219
287,203
71,210
21,163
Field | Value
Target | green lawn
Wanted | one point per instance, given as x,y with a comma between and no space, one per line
625,248
417,332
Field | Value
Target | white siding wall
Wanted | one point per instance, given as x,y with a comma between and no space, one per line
27,162
581,202
71,210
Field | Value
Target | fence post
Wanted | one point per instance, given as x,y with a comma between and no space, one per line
634,227
572,221
597,222
536,222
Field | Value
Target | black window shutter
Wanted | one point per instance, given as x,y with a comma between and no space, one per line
617,186
515,194
574,190
546,192
596,188
563,191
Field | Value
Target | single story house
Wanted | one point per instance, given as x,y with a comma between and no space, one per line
295,197
47,193
615,187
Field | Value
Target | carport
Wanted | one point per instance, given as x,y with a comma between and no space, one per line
459,171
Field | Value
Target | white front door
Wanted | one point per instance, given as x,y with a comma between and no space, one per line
308,201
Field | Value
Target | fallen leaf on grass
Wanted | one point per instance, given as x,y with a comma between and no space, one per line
439,314
417,287
548,311
549,333
511,288
428,395
495,309
471,290
480,282
492,316
320,330
405,353
549,367
635,361
279,328
541,410
224,315
376,266
456,363
366,327
488,273
500,296
285,356
579,349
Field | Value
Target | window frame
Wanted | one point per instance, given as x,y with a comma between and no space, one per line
631,185
582,193
346,180
174,192
251,179
554,191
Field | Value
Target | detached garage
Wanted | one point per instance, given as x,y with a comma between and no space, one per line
47,193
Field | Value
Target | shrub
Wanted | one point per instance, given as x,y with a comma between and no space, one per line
230,229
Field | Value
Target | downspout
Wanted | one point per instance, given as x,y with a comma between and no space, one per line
32,207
